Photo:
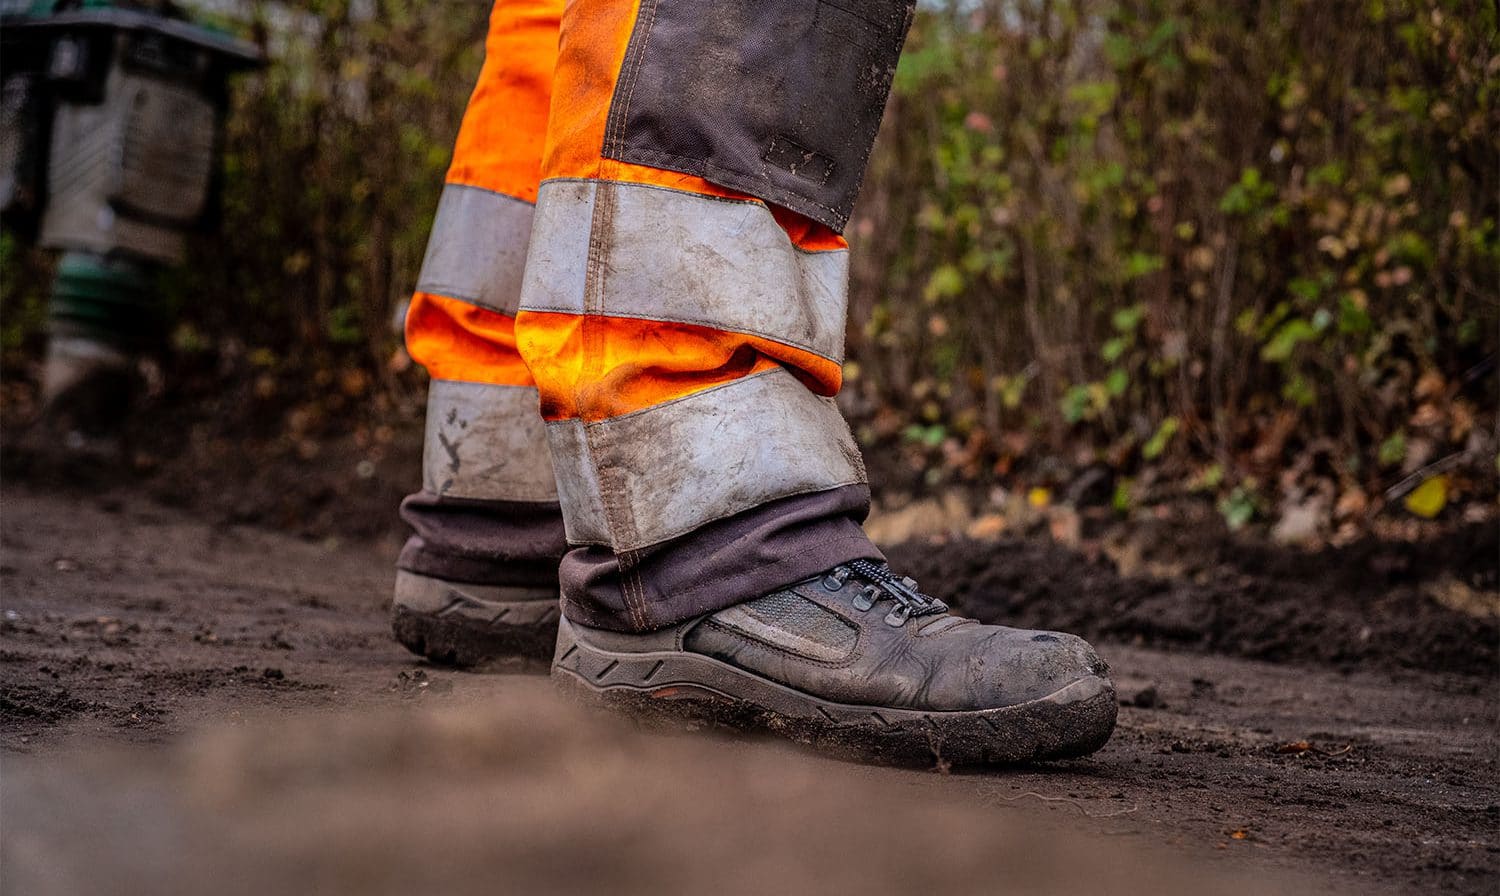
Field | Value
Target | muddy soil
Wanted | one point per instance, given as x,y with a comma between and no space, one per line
185,700
1431,605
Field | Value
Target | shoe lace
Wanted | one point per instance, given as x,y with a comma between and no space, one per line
883,584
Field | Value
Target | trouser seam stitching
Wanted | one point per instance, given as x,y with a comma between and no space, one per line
614,136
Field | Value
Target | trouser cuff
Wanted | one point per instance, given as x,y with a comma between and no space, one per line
516,543
719,564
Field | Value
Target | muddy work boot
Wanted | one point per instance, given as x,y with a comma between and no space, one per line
858,662
459,624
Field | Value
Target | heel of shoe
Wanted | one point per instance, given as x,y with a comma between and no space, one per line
465,625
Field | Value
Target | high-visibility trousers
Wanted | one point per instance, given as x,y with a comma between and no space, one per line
633,303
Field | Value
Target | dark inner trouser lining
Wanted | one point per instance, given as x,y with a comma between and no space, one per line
717,565
483,542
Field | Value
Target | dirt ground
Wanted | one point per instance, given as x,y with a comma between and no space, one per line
187,702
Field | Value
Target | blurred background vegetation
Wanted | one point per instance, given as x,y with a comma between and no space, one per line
1108,251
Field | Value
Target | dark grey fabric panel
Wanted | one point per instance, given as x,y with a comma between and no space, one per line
483,542
778,98
717,565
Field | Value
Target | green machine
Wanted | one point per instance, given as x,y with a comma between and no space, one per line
111,118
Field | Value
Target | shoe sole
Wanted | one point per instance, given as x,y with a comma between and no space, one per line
469,626
675,686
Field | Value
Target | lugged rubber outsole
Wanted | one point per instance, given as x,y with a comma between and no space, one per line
681,687
453,624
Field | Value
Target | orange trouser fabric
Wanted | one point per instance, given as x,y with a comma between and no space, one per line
499,148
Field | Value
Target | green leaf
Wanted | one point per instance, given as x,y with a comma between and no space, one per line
1075,403
1299,392
1012,389
1291,334
1331,174
1246,322
1353,319
1209,479
1237,508
1116,383
928,436
1305,288
947,281
1249,194
1113,349
343,326
1393,449
1127,319
1160,439
1139,264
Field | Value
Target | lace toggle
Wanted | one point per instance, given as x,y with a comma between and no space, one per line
883,584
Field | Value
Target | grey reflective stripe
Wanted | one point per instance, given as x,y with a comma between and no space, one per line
486,442
578,486
633,481
668,255
477,250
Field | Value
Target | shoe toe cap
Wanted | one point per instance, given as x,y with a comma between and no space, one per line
1019,666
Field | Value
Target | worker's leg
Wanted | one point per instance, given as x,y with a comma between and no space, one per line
479,577
683,314
687,336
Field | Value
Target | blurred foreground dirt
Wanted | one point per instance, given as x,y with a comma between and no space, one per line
193,707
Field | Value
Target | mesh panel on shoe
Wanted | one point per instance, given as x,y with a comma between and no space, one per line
792,623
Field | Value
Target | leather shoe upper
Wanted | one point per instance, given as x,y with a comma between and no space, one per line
859,635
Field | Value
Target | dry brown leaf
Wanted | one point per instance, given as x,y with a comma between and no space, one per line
1429,385
1352,502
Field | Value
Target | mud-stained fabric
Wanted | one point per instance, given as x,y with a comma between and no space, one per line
778,98
718,564
681,257
486,442
477,250
651,476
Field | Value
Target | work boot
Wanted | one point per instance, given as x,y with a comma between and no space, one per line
857,661
459,624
